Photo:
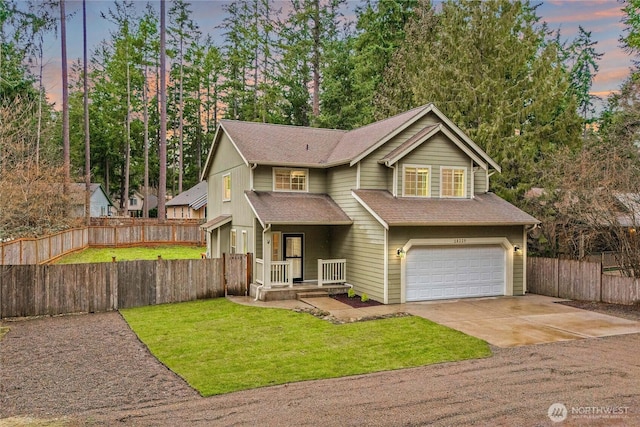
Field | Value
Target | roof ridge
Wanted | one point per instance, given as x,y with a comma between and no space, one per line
282,125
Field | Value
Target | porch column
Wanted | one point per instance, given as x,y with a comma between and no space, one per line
267,244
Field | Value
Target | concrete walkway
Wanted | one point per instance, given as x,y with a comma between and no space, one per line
501,321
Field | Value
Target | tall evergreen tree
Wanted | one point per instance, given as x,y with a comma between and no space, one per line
508,88
583,62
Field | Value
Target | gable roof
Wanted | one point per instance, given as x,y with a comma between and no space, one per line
295,208
484,209
78,188
283,145
195,197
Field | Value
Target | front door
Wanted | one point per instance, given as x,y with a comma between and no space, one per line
293,250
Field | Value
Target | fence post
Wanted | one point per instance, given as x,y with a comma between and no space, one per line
224,273
249,278
600,284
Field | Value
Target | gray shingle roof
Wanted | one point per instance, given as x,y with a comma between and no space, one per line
216,222
408,145
484,209
305,146
278,144
195,197
273,207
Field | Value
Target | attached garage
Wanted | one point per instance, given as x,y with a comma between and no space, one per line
445,272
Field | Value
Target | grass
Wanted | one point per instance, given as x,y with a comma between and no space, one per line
130,254
3,332
219,347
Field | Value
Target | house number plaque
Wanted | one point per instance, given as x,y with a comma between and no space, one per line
460,240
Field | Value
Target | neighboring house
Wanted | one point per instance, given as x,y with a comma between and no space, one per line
191,203
100,203
136,203
403,201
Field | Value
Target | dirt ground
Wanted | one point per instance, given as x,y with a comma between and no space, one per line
92,370
631,312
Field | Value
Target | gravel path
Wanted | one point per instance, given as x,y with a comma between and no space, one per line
92,369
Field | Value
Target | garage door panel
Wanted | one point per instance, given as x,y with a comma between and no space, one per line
454,272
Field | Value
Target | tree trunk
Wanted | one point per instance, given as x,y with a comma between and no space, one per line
162,184
180,119
145,101
65,103
87,145
316,58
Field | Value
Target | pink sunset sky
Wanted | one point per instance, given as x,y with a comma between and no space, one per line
601,17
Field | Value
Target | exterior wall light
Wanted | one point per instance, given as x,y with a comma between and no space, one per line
517,250
400,253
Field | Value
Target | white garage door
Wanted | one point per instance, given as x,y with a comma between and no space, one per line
444,272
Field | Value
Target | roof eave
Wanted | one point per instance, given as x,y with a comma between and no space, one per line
300,165
459,223
276,222
391,134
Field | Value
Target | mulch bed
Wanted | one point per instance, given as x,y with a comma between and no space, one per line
630,312
354,302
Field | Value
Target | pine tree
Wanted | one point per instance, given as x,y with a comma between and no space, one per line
508,88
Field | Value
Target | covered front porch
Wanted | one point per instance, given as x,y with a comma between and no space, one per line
296,250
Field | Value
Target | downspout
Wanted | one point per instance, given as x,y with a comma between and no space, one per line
255,165
266,230
394,186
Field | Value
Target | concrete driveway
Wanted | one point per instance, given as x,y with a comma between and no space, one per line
523,320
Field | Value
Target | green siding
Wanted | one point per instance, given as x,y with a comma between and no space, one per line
263,179
399,236
317,245
228,161
480,181
436,152
361,244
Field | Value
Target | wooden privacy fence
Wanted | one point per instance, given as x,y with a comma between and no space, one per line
35,290
579,280
45,249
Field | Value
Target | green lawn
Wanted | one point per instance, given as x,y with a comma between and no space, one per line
130,254
219,347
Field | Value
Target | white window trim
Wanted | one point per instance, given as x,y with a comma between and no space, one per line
464,183
224,189
245,242
404,186
233,238
279,248
306,183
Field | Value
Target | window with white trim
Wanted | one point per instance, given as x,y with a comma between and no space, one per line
275,247
226,187
232,242
245,242
285,179
453,182
416,181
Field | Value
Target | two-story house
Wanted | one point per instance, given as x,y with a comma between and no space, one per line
399,209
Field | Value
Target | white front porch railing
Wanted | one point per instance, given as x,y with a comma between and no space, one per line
332,271
281,273
260,271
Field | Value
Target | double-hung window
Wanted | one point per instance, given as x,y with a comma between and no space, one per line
285,179
453,182
226,188
416,181
233,244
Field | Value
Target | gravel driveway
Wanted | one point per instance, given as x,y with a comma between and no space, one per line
92,370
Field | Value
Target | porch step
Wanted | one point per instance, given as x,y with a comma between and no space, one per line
312,294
